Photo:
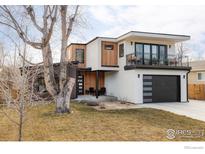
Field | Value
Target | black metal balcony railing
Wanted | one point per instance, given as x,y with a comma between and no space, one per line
172,60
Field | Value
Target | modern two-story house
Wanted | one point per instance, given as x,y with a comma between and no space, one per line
137,67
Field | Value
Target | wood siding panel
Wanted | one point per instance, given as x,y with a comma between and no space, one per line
71,53
109,57
196,91
90,80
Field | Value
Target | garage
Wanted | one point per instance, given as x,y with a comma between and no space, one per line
161,88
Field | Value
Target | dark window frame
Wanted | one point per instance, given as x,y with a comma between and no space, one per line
158,51
76,50
121,50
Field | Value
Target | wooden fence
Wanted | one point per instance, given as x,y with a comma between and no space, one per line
196,91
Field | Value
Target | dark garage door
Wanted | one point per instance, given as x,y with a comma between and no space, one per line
161,88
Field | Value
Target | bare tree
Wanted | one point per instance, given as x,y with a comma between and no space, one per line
181,52
2,55
16,90
60,92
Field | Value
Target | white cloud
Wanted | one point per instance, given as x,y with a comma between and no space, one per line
188,20
112,21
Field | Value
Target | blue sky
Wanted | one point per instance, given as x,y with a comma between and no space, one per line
113,21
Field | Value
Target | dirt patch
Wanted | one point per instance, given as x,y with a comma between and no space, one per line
115,105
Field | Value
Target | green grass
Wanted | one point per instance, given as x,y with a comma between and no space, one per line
87,124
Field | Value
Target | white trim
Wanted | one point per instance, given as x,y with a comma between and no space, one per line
170,37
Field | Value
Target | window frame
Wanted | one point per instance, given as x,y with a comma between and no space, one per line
158,51
83,59
198,76
123,50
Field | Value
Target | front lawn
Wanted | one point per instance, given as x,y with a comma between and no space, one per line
87,124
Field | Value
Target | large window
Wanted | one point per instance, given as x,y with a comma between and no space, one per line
80,55
201,76
151,53
121,50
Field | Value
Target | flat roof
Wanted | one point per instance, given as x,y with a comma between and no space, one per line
140,32
173,37
164,36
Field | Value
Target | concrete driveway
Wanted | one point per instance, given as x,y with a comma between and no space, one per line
194,109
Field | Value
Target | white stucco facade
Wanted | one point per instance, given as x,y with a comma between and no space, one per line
93,55
127,85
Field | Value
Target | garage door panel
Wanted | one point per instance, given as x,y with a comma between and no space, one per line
162,88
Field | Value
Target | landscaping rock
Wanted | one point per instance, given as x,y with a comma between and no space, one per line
92,103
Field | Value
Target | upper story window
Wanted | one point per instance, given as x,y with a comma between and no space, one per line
121,50
139,50
162,54
150,53
201,76
80,55
108,47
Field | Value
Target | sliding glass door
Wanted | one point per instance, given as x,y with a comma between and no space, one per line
155,54
147,55
162,55
139,52
151,54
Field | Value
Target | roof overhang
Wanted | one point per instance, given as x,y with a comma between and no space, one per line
153,36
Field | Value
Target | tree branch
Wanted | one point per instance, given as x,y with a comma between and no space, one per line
50,30
3,23
28,60
31,13
71,22
19,30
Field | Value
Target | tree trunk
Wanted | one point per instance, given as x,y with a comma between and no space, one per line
49,71
63,98
20,126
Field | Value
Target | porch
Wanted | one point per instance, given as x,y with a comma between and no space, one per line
90,83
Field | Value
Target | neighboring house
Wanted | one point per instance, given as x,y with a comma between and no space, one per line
39,86
197,74
138,67
197,80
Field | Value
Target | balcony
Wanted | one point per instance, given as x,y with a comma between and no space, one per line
172,62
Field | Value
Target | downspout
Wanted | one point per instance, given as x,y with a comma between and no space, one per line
187,85
187,79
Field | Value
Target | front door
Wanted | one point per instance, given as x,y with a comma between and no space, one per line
80,84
